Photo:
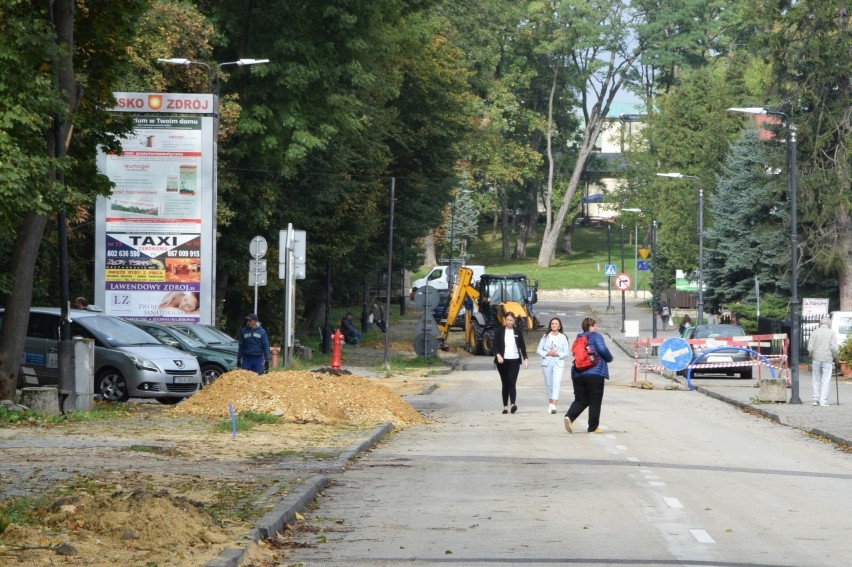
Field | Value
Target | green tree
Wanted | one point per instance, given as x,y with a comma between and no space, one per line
749,240
808,45
52,118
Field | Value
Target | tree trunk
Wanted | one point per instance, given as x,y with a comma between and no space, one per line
17,314
521,241
844,274
548,192
504,224
429,257
31,230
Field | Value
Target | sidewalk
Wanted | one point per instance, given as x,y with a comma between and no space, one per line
833,422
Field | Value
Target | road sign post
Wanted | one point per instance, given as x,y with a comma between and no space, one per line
257,266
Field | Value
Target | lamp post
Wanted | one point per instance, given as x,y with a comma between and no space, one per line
794,244
186,62
700,315
240,63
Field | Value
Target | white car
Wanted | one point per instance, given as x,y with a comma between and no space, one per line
129,363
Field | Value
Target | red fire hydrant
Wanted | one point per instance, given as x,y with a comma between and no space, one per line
336,341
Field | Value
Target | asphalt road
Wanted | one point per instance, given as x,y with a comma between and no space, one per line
677,478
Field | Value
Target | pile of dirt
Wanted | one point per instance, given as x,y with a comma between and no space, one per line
302,397
121,528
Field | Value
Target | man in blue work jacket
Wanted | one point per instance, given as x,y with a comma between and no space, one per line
253,351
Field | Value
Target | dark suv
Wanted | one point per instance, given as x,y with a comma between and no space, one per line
732,355
129,363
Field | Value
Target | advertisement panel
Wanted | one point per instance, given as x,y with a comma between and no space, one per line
155,232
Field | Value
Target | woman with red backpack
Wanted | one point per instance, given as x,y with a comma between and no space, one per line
588,373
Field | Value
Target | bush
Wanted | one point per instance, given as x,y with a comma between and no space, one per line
846,350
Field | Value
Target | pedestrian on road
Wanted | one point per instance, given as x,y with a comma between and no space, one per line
553,348
665,314
510,352
589,384
822,346
253,350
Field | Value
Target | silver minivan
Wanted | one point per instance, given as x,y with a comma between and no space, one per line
129,363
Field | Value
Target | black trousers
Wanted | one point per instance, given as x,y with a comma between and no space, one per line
509,378
588,393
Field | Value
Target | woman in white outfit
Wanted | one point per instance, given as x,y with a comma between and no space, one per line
553,348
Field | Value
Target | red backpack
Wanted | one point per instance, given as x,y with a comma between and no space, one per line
584,356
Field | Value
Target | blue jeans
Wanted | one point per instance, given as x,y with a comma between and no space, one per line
253,364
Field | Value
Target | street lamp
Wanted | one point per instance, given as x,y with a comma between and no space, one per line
794,245
240,63
700,318
186,63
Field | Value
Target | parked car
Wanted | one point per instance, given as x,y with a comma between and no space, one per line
209,335
213,362
724,355
129,363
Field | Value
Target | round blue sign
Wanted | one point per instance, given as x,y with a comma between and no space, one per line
675,354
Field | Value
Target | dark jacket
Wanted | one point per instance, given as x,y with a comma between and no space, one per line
253,342
500,343
596,342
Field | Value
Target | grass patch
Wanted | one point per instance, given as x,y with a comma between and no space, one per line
101,411
246,420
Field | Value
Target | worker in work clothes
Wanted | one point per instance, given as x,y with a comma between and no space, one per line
253,351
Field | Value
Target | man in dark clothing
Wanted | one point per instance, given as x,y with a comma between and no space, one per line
253,350
347,327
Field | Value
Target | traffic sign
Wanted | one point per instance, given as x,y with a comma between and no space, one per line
644,253
609,270
622,282
675,354
257,247
643,265
256,278
257,265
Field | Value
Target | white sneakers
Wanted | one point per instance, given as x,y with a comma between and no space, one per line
551,408
568,427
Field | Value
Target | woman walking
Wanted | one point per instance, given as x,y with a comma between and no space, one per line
553,348
510,352
589,383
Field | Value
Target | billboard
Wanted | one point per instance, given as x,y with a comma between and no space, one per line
155,234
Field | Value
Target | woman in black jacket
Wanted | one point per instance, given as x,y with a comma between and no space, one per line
510,351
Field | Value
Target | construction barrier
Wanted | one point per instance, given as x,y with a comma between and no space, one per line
750,343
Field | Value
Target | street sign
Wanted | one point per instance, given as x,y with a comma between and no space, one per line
609,270
675,354
643,265
622,282
257,265
644,253
426,297
256,279
257,247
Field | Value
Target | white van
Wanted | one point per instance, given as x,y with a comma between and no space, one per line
841,324
438,278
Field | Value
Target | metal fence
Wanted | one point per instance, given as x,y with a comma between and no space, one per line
807,324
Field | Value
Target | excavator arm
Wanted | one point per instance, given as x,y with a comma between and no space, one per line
462,289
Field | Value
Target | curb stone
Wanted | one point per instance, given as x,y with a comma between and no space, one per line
285,511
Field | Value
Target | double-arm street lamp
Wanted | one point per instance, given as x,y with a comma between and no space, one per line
187,62
794,244
700,316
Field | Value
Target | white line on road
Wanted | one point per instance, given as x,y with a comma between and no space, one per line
702,537
672,502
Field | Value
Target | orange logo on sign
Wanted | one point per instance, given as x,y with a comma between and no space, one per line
155,102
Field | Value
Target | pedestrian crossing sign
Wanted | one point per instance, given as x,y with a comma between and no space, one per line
609,270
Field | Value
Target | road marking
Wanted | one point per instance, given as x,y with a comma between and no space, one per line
621,447
672,502
633,459
702,537
656,484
